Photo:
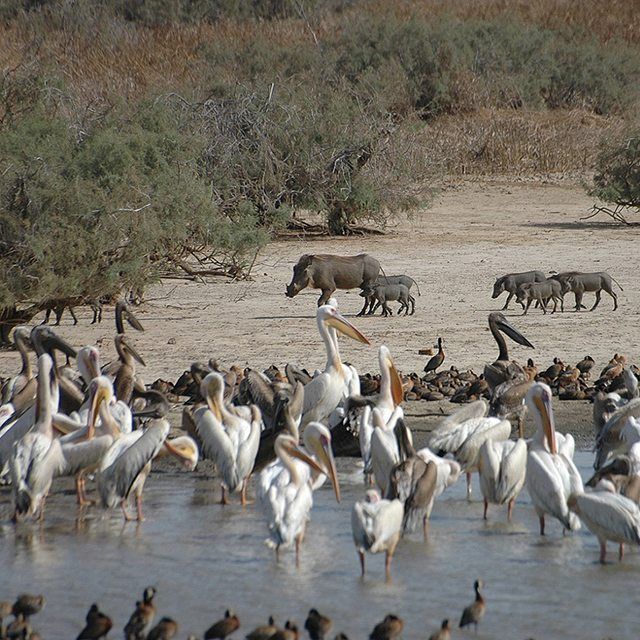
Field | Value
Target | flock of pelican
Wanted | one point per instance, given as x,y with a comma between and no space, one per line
100,422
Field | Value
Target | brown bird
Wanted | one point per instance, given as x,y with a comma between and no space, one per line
531,370
224,627
27,605
391,627
554,370
317,625
475,611
264,632
166,629
98,624
437,360
290,632
142,618
585,365
444,633
19,628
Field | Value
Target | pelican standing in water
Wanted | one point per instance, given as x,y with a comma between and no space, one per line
463,433
386,441
502,469
285,488
608,515
326,390
551,474
376,525
229,440
37,456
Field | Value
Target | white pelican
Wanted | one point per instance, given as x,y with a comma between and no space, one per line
463,433
389,398
608,515
326,390
502,469
285,489
376,525
385,446
551,474
37,456
230,441
620,431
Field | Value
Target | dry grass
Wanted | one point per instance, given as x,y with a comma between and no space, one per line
516,143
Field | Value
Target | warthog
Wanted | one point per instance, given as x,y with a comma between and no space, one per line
541,292
329,272
512,281
383,293
407,281
579,282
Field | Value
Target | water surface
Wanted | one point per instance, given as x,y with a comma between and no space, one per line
204,558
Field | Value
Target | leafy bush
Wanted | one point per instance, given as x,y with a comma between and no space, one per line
617,178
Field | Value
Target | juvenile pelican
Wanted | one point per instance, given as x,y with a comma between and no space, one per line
285,492
125,377
502,369
502,469
551,474
230,441
19,391
126,465
463,433
608,515
376,525
326,390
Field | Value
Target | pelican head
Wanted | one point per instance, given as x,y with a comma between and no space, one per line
22,334
44,339
317,439
538,400
100,390
386,363
124,346
88,361
372,496
329,316
286,448
498,321
212,390
184,449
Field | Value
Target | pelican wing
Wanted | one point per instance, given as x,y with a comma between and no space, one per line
610,516
513,470
384,455
85,455
387,523
126,458
420,502
489,469
362,526
548,484
248,449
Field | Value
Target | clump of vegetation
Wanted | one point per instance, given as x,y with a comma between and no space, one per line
617,178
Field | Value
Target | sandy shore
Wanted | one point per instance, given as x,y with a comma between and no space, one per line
474,232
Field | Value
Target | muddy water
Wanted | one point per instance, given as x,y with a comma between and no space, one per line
204,558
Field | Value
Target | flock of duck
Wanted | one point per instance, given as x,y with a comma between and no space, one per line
140,625
101,422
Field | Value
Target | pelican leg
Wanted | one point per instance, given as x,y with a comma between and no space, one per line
223,499
41,513
81,496
140,516
298,540
387,564
520,426
243,494
468,486
277,553
486,506
542,525
425,528
603,551
361,556
123,506
621,552
510,508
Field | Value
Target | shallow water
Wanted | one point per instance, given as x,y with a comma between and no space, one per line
204,558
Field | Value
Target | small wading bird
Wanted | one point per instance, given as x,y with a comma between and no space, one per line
437,360
376,525
476,610
141,619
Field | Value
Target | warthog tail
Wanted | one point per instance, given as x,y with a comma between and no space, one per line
621,289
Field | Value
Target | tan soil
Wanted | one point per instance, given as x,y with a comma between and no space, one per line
474,232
